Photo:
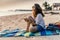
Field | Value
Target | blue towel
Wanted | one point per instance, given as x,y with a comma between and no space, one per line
23,33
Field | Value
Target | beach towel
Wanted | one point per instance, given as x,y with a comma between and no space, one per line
53,27
23,33
8,33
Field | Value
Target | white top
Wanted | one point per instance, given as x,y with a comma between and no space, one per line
39,20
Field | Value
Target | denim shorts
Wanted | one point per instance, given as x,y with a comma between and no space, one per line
40,28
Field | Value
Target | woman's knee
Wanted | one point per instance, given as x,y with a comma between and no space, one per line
33,29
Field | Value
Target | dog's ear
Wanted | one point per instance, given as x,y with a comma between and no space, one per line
30,17
26,19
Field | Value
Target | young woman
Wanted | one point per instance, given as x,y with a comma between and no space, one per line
37,20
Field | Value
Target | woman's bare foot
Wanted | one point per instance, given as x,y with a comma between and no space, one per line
27,30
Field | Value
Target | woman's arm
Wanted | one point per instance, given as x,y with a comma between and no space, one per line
32,20
34,24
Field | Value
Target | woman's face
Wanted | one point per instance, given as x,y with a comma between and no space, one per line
33,11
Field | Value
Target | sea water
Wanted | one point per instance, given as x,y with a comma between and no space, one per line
6,13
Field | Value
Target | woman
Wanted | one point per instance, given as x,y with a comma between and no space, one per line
37,21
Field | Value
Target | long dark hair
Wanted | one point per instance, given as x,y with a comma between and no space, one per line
38,9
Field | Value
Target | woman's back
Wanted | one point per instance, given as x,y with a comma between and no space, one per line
40,21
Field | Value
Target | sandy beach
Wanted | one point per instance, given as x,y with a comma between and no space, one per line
13,21
16,21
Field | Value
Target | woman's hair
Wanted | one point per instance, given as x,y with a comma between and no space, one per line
38,10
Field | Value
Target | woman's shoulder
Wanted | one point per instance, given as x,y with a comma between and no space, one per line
39,15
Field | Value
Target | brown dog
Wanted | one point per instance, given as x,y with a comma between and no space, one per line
29,19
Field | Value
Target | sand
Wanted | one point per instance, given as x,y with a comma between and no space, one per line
16,21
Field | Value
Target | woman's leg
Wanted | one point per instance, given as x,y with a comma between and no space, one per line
33,29
37,28
40,28
29,21
28,26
